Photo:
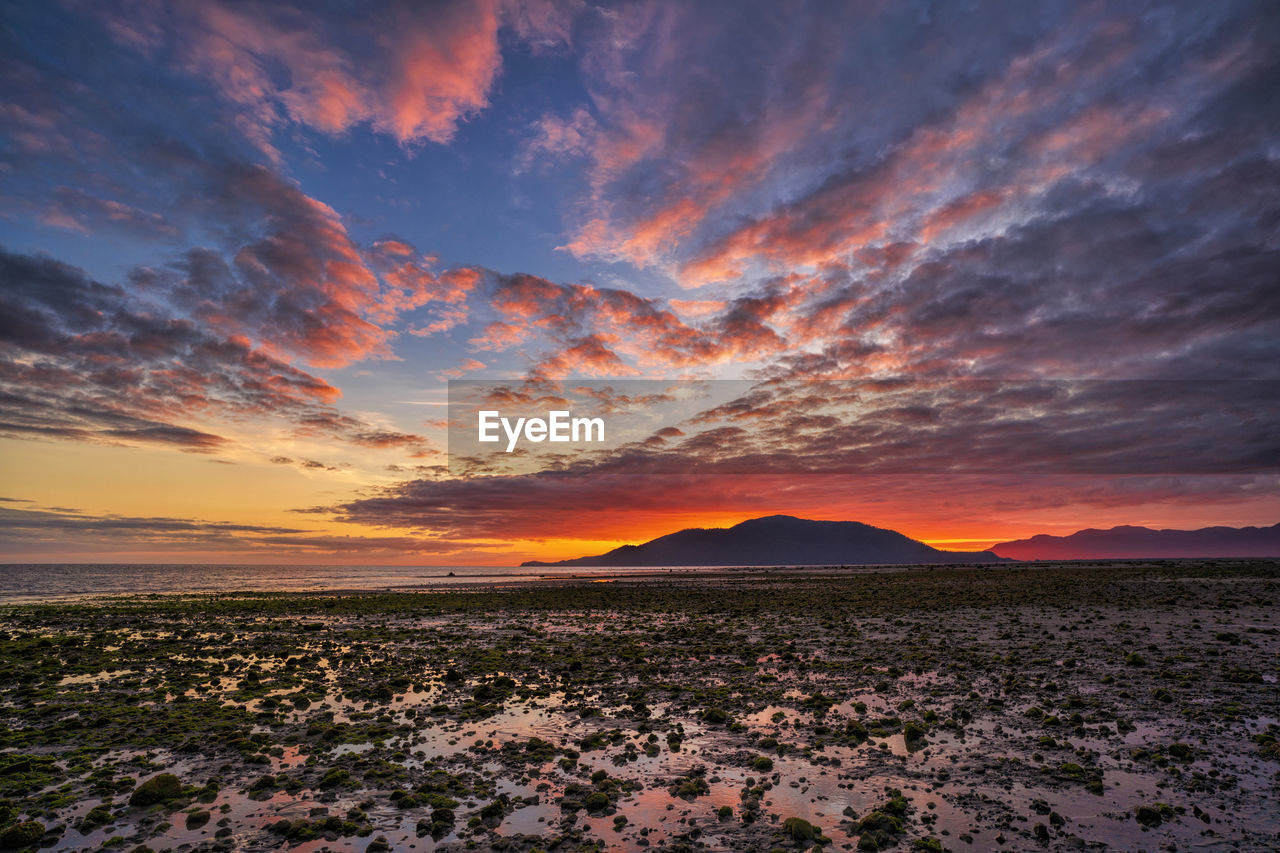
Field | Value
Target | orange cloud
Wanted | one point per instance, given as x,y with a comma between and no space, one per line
697,307
412,71
467,365
592,329
959,211
588,356
631,508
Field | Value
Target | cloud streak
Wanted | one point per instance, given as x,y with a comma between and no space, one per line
413,72
34,532
627,507
84,360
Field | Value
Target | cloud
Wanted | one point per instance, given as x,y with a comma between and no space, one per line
412,71
306,464
15,523
557,138
260,257
894,427
609,505
37,532
467,365
1122,298
859,449
1041,190
697,307
290,277
545,25
1044,176
960,231
601,331
85,360
298,283
78,211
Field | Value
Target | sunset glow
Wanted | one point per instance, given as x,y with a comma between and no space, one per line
244,248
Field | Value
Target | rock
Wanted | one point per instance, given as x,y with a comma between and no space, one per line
1147,815
25,834
157,789
799,829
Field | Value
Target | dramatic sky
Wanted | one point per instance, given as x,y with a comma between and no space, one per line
244,247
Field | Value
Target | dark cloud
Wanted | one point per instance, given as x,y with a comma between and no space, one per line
166,434
83,360
16,523
63,531
307,464
1059,189
1123,298
611,505
588,330
880,427
288,276
78,211
260,258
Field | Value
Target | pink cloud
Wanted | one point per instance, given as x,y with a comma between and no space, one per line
467,365
697,307
556,137
412,71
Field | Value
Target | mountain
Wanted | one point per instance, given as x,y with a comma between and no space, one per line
778,540
1143,542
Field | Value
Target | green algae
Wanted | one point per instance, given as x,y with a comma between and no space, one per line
819,686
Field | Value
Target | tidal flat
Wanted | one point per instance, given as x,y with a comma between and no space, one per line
1123,705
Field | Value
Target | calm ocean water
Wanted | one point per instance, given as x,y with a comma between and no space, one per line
60,582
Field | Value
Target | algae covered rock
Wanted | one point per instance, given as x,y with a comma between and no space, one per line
25,834
799,829
157,789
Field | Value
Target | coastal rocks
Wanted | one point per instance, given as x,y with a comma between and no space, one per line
28,833
906,710
157,789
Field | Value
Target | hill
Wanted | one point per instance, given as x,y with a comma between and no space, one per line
778,540
1129,542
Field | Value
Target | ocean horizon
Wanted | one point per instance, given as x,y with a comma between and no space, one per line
29,583
34,583
37,582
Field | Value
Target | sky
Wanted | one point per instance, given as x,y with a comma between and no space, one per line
244,247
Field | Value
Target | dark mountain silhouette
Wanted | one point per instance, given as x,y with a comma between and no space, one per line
778,540
1143,542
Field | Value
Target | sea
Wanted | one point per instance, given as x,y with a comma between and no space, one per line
30,583
34,583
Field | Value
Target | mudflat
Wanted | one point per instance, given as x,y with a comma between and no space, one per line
1124,705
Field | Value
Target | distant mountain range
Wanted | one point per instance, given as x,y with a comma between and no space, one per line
779,540
1143,542
783,540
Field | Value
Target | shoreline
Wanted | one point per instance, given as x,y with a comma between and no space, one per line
444,583
1057,707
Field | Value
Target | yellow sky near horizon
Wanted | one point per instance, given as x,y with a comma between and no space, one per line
133,484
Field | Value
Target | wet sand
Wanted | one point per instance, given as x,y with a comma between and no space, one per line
1126,706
